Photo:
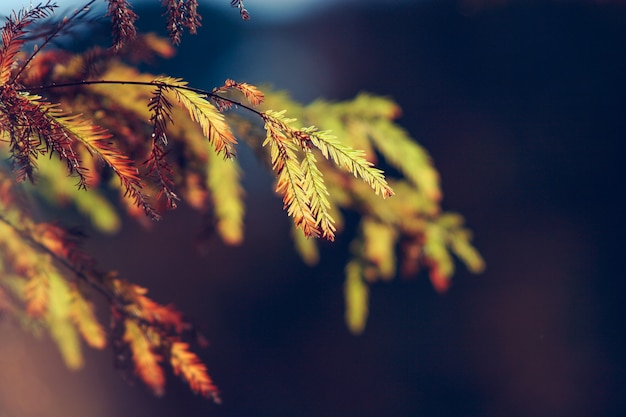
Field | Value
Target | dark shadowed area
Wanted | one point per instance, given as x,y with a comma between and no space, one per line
521,105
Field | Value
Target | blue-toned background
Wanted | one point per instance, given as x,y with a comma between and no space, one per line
521,105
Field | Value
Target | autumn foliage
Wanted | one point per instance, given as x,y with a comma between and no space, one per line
117,141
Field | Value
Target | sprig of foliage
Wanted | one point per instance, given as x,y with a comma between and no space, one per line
204,113
397,236
120,124
123,20
242,10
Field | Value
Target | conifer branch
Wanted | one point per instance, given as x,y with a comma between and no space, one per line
405,155
48,267
290,183
123,19
204,113
144,357
150,329
181,15
317,195
97,141
159,82
13,38
138,306
350,159
157,165
49,7
76,269
242,10
254,96
33,131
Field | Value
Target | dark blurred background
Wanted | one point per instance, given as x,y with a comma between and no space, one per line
521,104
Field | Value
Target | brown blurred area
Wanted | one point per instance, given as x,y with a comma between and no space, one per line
521,106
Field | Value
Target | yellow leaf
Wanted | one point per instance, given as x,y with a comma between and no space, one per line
98,142
146,361
62,329
459,239
223,181
82,314
317,194
191,369
379,246
438,258
204,113
139,305
289,173
36,293
352,160
356,296
252,94
406,155
306,248
57,188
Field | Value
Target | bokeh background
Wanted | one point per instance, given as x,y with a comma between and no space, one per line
521,104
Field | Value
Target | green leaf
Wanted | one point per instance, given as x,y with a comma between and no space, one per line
62,329
306,248
379,247
356,295
406,155
352,160
223,181
317,195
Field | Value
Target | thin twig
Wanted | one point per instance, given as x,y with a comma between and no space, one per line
149,84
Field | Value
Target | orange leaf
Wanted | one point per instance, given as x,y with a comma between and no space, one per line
13,38
146,361
61,243
252,94
147,309
82,314
36,294
438,279
191,369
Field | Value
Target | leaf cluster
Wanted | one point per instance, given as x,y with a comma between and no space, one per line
396,236
123,142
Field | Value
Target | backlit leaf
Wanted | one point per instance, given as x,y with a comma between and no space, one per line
226,194
204,113
317,195
290,176
62,329
82,314
145,359
356,295
351,160
37,293
187,365
306,248
379,247
139,305
406,155
438,258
